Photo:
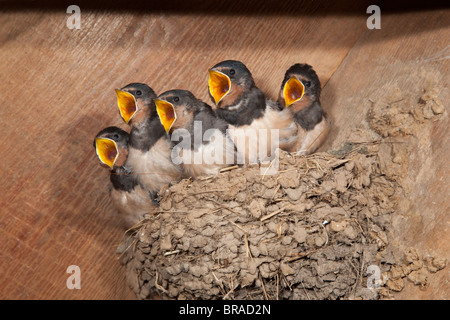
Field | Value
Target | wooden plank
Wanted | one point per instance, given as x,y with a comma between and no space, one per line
57,88
58,92
408,47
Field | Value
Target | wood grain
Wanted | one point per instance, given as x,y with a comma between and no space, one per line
57,92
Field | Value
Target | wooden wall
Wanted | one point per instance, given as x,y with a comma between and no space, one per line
57,91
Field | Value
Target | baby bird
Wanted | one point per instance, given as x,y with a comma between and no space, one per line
149,146
205,147
257,124
132,200
300,94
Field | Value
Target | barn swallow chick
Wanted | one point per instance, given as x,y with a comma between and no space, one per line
149,146
131,199
205,147
253,119
300,94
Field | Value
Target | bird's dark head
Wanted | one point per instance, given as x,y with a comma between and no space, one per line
111,146
177,108
228,80
135,101
300,85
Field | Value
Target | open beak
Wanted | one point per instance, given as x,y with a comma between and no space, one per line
107,151
219,85
166,113
293,91
127,104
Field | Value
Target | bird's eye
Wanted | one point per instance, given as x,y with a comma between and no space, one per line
116,137
307,84
176,99
232,72
138,92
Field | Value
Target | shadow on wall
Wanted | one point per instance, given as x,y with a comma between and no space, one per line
80,184
227,7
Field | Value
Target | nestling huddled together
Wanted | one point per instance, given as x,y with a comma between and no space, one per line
174,135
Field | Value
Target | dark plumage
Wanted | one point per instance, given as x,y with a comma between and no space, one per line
193,119
132,200
146,128
121,178
310,118
149,147
243,105
306,72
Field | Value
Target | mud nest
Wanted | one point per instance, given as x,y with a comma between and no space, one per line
319,228
305,233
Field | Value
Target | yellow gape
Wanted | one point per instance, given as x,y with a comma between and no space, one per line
219,85
293,91
166,113
107,151
127,105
